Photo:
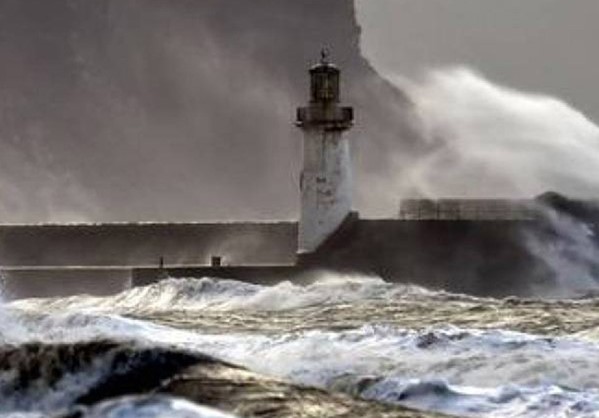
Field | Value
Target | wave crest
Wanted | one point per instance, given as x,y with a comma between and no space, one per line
228,295
38,377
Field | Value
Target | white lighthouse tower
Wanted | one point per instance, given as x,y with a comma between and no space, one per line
326,185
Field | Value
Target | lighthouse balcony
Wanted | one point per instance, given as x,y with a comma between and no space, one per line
325,117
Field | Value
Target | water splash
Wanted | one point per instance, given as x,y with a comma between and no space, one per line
463,371
466,371
570,252
152,407
487,140
229,295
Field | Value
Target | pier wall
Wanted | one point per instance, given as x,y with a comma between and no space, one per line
145,244
470,256
490,257
30,282
57,260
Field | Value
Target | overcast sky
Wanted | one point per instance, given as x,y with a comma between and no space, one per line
547,46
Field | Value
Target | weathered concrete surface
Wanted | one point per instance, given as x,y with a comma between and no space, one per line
63,281
144,244
482,257
468,209
326,177
38,260
476,257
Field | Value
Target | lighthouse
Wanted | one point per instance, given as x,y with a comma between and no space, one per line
325,182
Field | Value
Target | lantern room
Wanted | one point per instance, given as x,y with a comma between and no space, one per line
324,80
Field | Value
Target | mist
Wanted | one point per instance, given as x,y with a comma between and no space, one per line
487,140
128,110
570,252
501,92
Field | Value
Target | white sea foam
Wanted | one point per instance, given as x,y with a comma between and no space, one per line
460,356
456,370
227,295
152,407
462,371
38,396
463,356
452,370
505,402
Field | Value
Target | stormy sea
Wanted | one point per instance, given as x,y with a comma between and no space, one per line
337,346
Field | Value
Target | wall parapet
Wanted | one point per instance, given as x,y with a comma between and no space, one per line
468,209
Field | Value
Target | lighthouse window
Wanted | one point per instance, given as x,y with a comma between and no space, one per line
324,87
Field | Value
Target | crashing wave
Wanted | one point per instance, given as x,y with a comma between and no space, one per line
228,295
466,371
152,406
462,356
36,377
449,369
505,401
120,380
317,357
492,373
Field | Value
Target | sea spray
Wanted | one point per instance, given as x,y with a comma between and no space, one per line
228,295
12,328
154,406
570,252
487,140
480,138
46,378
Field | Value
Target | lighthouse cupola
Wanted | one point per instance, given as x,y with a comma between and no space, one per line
325,184
324,79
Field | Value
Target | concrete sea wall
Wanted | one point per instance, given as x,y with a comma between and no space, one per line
47,260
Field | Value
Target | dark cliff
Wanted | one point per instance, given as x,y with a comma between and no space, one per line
150,110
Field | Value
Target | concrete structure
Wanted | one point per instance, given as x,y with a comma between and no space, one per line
45,260
146,244
326,175
471,246
468,209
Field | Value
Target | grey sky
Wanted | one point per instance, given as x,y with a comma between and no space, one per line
547,46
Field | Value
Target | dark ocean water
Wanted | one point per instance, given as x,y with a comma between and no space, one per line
390,343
